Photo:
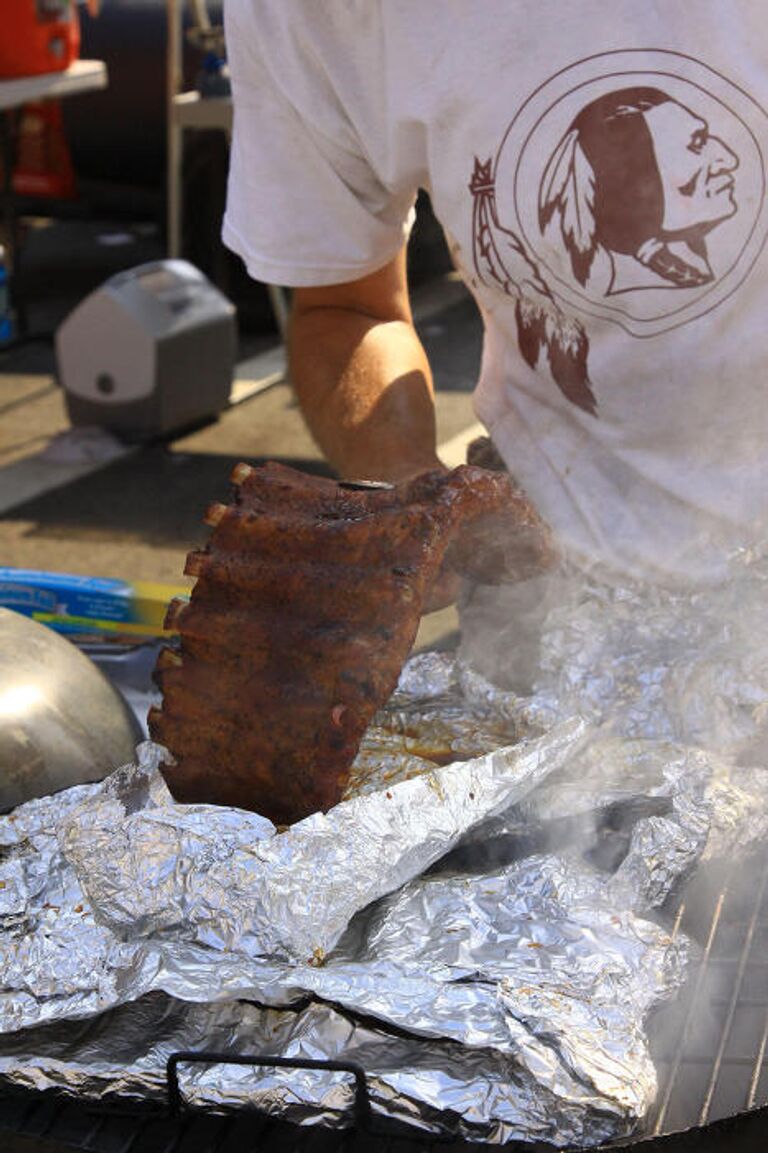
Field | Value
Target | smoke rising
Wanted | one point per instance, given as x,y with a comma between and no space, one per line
675,684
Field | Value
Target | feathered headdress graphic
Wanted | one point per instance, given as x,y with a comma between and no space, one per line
500,258
568,188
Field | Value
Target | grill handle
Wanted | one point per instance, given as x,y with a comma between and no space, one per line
206,1057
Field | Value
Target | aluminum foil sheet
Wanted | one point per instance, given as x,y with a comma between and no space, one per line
504,963
658,663
470,924
95,879
683,805
435,1087
236,884
675,684
524,979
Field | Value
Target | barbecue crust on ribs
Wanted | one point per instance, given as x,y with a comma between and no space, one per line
307,601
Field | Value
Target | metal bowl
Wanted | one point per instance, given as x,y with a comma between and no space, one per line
61,721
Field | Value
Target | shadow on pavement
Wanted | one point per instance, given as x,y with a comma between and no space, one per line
156,496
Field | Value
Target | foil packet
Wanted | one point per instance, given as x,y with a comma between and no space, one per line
502,964
523,979
92,879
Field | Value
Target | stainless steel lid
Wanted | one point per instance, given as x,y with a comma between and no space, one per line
62,722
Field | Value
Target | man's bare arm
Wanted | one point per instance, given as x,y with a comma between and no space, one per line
362,378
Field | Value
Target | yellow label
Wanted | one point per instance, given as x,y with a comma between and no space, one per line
90,624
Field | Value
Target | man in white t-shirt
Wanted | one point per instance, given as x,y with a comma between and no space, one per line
599,171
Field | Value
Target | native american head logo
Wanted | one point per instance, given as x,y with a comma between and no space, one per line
639,175
607,199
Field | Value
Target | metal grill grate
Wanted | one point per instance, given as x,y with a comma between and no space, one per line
711,1047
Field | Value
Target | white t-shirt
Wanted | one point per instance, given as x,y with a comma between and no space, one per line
599,170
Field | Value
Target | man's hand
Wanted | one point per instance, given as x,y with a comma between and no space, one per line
362,378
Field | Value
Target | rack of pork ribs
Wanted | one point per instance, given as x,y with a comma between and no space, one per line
306,604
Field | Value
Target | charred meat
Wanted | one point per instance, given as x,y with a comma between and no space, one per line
306,604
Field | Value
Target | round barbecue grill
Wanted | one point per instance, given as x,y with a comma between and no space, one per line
710,1047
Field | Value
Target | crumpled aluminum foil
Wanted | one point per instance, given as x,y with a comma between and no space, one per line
436,1087
110,896
469,924
716,809
235,884
503,963
120,867
660,663
675,683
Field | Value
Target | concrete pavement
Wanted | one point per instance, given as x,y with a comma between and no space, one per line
135,513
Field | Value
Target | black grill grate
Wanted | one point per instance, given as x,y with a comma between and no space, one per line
710,1047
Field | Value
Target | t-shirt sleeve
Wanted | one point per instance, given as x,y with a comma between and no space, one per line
304,206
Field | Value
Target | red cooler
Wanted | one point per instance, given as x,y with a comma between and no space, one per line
37,36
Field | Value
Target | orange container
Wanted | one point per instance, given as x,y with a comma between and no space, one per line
43,163
37,36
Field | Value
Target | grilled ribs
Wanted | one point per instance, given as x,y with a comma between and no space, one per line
307,601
